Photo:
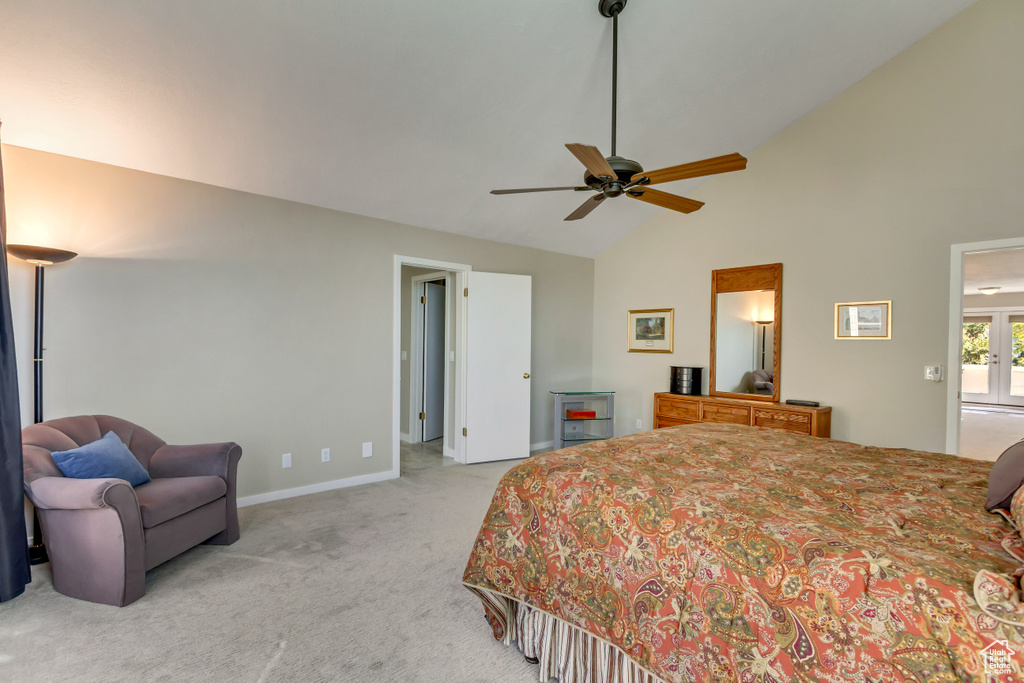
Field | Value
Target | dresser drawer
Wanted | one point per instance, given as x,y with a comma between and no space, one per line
719,412
660,422
677,409
777,419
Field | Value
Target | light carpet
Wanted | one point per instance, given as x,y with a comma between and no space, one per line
358,584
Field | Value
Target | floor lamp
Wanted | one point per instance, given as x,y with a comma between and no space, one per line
40,257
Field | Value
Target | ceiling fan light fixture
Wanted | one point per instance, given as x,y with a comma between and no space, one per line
989,290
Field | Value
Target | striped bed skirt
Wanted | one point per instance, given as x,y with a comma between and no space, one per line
561,650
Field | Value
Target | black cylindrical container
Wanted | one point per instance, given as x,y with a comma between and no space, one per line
686,381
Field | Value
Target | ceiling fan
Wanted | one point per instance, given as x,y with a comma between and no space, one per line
614,176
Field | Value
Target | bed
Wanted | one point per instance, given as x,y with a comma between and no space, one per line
712,552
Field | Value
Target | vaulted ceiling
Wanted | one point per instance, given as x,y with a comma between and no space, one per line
413,111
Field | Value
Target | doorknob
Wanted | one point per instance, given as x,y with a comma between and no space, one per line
526,375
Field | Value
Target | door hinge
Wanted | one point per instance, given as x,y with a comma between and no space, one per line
465,292
423,416
464,433
423,299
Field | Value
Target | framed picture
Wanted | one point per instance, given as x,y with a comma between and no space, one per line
864,320
650,330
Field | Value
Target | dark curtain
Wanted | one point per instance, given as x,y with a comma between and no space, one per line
14,571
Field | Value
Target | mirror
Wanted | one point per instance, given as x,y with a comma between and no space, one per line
746,332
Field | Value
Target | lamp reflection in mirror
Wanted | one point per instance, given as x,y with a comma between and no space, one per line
764,333
763,340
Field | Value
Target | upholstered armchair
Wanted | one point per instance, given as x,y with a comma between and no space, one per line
764,381
102,535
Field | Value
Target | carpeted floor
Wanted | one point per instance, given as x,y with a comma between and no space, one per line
358,584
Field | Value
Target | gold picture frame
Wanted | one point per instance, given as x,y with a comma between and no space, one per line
864,320
650,330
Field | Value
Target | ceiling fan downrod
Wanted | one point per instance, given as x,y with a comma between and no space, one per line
611,9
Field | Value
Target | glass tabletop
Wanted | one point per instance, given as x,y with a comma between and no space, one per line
580,393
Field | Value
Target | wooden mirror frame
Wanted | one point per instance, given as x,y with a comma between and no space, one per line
746,279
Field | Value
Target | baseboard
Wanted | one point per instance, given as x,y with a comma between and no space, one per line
405,438
317,488
448,452
542,444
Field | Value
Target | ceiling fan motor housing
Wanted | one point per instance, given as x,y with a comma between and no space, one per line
624,169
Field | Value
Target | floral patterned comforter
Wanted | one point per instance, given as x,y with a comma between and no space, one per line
719,552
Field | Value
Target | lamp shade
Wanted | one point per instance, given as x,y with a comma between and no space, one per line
41,256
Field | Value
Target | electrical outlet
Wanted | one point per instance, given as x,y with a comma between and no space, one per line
639,424
325,455
286,460
367,449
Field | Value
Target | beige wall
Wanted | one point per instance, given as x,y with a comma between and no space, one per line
860,200
208,314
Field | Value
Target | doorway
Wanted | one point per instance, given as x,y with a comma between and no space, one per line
427,370
985,397
405,430
993,356
489,402
430,354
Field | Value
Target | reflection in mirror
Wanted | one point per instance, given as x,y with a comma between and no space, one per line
764,333
744,338
746,332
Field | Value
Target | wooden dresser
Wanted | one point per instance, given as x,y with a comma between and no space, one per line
675,409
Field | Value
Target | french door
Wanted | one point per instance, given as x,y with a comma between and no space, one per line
993,357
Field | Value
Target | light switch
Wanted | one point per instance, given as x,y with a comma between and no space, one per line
933,372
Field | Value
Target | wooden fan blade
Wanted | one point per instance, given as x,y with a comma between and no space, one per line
695,169
592,158
585,208
539,189
665,200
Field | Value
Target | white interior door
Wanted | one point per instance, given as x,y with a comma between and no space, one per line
497,366
433,361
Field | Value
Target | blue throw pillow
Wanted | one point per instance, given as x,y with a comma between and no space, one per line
103,459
